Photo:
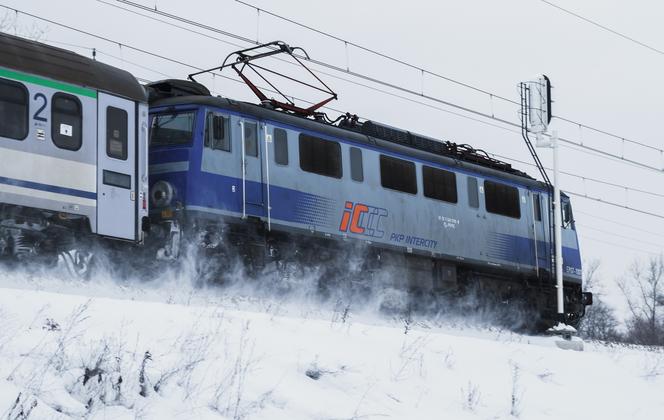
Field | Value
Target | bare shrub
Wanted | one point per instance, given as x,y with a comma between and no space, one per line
22,407
449,360
600,322
228,398
99,379
57,359
643,289
341,312
193,348
9,24
411,353
517,393
654,365
142,376
470,397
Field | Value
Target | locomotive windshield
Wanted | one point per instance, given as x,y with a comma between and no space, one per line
172,128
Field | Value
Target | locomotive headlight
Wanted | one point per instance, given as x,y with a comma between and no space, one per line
161,194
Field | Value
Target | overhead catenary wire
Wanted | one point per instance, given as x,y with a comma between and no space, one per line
327,74
502,157
617,235
620,246
584,178
604,27
375,52
388,84
611,203
609,134
623,187
195,67
121,44
422,70
620,223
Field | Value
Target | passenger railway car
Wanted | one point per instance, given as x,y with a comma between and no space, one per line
451,216
73,150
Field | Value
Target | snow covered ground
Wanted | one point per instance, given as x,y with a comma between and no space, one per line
102,350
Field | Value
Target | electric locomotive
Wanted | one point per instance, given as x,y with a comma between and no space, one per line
73,153
278,186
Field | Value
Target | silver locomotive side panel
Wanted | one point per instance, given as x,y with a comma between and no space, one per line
352,201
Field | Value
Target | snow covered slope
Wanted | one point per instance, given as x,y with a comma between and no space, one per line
101,351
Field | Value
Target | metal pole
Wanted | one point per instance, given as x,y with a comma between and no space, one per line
557,217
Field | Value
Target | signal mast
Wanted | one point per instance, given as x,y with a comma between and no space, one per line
535,118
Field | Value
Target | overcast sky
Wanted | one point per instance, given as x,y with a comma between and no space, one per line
599,79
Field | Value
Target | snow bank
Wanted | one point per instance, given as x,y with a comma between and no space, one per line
159,353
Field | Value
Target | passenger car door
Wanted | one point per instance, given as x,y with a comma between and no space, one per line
116,167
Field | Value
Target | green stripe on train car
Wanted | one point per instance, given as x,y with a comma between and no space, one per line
77,90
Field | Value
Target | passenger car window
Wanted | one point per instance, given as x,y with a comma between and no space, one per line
217,132
66,121
356,167
116,133
13,110
280,146
502,199
439,184
398,174
473,194
250,139
319,156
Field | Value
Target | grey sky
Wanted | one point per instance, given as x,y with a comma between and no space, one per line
599,79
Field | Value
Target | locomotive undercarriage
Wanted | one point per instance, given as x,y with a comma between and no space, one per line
356,272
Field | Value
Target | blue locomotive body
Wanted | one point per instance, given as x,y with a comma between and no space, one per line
215,159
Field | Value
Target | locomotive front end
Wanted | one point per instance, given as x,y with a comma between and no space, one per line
172,133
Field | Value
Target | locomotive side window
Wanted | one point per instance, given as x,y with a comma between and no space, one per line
280,146
397,174
13,110
172,128
473,194
537,207
439,184
356,168
250,139
502,199
116,133
567,214
217,135
66,122
319,156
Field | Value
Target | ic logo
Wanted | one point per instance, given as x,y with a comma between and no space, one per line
362,219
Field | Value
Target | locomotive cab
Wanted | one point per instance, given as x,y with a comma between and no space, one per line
575,299
171,143
175,136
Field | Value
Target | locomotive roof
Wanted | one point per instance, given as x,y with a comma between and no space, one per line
261,112
58,64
